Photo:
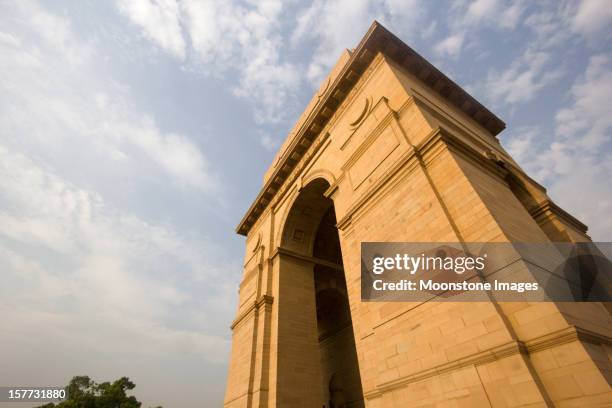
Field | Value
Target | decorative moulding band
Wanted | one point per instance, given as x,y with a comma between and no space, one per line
255,305
548,341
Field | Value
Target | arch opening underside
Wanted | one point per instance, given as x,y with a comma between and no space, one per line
310,230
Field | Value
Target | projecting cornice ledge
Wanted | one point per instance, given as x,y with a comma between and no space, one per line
548,207
377,39
551,340
264,300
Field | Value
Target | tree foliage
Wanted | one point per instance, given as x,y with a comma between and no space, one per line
83,392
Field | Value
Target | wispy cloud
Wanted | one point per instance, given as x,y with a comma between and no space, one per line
523,79
466,19
226,37
98,281
334,25
53,77
450,46
577,157
95,277
160,22
588,117
589,17
481,9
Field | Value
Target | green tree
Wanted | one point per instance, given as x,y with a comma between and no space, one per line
83,392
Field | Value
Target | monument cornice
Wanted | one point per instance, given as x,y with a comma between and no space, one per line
546,207
551,340
377,40
305,258
255,305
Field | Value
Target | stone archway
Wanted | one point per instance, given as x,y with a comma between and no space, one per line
310,269
410,157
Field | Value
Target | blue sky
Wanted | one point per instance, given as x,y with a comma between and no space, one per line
134,135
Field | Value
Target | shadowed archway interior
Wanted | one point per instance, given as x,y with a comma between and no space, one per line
311,230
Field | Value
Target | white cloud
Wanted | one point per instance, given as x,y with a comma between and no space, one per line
588,17
480,9
407,15
81,113
465,21
450,46
491,13
160,22
554,24
173,152
549,29
124,272
576,162
589,116
430,30
334,26
520,145
511,16
540,65
578,182
96,278
523,79
227,38
269,143
337,25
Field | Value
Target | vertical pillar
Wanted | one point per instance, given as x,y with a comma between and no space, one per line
298,368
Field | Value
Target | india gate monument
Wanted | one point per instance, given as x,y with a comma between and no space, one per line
390,149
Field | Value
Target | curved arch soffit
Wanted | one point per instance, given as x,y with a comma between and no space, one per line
293,196
318,174
303,215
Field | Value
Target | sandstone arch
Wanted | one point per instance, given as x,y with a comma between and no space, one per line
421,163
